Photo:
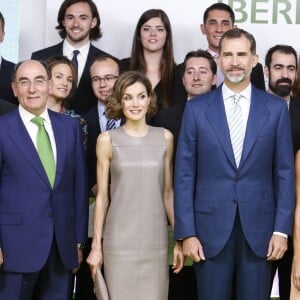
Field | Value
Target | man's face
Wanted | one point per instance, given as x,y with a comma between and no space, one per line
217,23
78,23
104,74
198,77
281,74
236,61
31,86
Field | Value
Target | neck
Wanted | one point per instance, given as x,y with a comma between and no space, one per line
153,59
237,87
54,104
136,128
78,44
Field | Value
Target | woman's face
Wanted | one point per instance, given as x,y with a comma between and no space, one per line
62,81
153,35
135,102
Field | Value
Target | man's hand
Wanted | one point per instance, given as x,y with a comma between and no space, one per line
192,247
80,259
277,247
1,257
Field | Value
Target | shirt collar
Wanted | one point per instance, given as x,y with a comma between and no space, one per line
101,108
228,93
68,49
26,116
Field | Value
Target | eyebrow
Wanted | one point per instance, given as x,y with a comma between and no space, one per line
282,65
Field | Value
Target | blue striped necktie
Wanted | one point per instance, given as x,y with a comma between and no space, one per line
235,124
111,124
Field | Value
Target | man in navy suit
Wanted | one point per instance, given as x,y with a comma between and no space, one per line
281,64
6,70
78,25
43,224
234,179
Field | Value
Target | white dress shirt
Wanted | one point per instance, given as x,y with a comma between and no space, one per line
81,57
32,128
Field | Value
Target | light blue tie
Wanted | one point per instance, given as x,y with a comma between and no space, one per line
235,124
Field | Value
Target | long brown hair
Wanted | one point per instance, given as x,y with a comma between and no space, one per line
167,64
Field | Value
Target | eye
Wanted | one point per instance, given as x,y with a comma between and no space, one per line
127,98
70,80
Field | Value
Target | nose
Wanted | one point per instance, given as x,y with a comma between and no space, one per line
152,31
31,87
219,27
135,101
196,76
285,72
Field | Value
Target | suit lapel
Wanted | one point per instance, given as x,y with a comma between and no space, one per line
60,138
258,115
216,117
21,139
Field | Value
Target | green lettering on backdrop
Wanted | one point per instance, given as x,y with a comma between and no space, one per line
284,11
255,11
266,11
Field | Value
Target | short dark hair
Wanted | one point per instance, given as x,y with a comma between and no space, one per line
201,53
286,49
104,57
237,33
2,20
95,32
219,6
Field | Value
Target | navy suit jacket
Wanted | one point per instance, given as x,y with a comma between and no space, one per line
6,92
84,97
209,188
32,213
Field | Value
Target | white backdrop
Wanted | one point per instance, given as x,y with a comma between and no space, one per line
267,20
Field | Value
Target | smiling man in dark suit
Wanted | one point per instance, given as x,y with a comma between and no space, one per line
43,193
234,179
78,25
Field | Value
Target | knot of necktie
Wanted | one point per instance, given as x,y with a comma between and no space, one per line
39,121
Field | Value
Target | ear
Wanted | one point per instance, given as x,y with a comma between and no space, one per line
14,88
266,72
254,60
202,28
94,23
214,81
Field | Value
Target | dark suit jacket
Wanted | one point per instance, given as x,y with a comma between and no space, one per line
170,119
32,213
179,93
294,110
6,70
84,97
5,107
209,188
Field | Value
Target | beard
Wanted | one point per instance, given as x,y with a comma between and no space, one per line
281,90
237,78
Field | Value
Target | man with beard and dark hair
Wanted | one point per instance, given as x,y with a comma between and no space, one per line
281,71
78,25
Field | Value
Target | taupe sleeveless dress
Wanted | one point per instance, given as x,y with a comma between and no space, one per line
135,239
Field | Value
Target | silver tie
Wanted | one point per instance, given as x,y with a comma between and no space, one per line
235,123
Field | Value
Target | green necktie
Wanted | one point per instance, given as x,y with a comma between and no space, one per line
45,149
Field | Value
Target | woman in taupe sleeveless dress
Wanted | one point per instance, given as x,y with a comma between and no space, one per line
138,159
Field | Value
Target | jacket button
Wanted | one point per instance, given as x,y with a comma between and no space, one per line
50,214
234,201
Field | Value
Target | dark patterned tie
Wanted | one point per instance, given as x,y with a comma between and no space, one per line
111,124
74,59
